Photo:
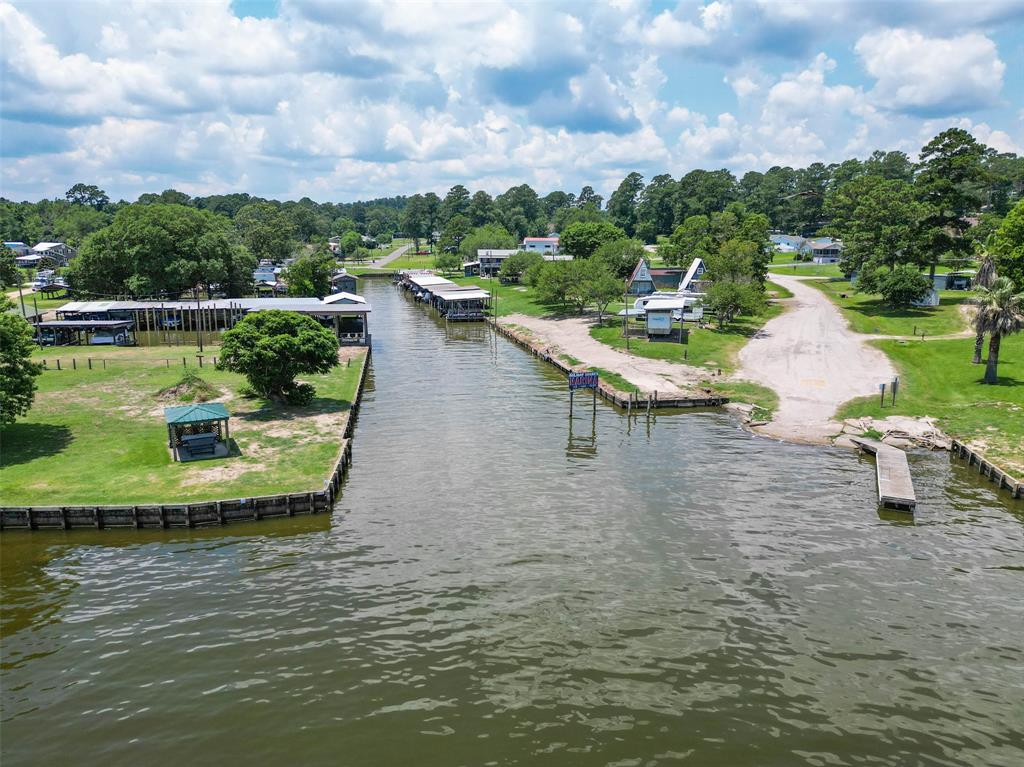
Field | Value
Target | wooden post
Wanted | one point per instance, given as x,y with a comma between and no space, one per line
135,517
220,513
58,363
74,363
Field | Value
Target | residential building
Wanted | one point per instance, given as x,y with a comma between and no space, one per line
59,253
549,244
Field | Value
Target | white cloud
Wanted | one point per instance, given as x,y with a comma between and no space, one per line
362,99
666,32
932,76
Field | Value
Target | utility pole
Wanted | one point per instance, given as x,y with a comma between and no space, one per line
199,321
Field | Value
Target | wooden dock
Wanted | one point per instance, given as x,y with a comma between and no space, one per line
895,487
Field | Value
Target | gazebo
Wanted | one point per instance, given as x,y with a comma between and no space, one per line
197,431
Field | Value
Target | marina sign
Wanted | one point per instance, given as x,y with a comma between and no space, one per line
582,381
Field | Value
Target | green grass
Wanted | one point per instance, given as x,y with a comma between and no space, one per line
616,381
867,313
765,399
937,379
98,436
707,347
806,270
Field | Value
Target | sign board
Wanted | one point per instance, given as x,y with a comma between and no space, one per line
582,381
659,323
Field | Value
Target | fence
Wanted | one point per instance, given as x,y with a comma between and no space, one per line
166,515
102,363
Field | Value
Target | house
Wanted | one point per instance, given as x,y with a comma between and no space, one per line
689,282
18,248
825,250
491,259
265,273
59,253
787,243
29,261
641,283
549,244
345,282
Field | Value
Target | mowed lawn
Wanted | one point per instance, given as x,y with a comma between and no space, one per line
868,313
937,379
98,436
709,347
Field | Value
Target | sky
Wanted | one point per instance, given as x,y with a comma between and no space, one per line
340,101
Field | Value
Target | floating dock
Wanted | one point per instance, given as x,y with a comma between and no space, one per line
895,487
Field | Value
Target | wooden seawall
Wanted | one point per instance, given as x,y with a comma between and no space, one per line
221,512
988,469
895,487
627,400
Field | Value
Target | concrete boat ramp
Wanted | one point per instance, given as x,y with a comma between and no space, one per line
895,488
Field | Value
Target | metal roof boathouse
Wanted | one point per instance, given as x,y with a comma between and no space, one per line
346,313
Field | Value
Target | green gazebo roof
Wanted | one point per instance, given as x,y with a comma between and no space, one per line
200,413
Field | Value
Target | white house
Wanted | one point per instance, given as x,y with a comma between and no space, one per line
548,244
57,252
825,250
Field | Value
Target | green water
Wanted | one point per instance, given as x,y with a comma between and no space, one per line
495,588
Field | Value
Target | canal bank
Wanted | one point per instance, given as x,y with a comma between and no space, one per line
499,583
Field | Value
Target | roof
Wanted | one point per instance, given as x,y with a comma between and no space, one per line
46,245
428,280
691,273
664,272
342,276
344,298
496,252
455,292
85,324
669,304
13,242
301,305
198,413
541,239
638,270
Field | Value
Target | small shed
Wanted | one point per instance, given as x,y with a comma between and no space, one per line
343,282
197,431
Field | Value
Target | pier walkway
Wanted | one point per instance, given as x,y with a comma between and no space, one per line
895,487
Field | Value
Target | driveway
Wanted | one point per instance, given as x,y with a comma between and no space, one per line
813,361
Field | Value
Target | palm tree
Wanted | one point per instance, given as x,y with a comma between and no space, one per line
983,279
1000,313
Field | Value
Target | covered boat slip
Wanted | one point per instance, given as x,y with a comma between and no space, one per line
89,332
454,302
348,316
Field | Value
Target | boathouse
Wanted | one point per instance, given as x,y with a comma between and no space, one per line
348,318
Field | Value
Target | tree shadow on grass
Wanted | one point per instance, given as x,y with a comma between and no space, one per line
25,442
878,308
274,412
1000,380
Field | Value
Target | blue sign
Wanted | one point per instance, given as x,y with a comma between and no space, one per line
582,381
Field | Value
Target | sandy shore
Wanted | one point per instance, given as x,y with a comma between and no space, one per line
571,336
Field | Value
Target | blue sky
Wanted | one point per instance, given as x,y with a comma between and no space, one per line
343,101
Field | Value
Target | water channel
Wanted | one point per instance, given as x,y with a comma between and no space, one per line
499,587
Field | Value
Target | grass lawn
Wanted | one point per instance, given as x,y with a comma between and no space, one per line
937,379
708,347
98,436
806,270
409,261
867,313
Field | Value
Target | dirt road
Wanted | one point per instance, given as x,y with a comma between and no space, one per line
815,363
571,336
396,253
